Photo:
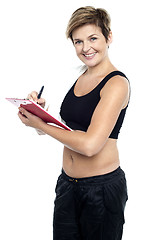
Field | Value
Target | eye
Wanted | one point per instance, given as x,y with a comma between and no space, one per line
77,42
93,39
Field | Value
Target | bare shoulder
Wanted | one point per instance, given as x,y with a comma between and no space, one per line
116,90
118,84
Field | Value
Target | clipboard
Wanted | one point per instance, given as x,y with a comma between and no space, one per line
38,111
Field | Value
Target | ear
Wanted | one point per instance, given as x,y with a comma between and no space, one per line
110,38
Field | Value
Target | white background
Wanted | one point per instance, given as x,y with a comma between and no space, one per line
35,52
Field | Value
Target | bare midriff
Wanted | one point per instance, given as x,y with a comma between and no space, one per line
78,166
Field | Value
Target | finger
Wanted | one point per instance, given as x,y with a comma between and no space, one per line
41,102
47,108
33,96
22,118
29,97
24,112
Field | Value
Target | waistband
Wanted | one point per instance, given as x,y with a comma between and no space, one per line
99,179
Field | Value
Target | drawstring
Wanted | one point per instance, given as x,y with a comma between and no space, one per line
73,180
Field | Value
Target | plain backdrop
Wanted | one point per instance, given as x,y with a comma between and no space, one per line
34,52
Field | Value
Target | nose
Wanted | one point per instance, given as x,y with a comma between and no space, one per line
86,46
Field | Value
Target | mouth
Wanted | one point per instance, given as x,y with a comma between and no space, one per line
89,56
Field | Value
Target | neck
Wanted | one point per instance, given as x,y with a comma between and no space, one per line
101,68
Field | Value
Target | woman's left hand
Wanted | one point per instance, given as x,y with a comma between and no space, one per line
29,119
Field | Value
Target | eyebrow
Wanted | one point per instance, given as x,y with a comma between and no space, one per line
76,39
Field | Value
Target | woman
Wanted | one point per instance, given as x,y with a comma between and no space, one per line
91,191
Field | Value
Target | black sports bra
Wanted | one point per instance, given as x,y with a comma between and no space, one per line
77,111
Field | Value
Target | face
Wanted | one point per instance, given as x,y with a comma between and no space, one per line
90,44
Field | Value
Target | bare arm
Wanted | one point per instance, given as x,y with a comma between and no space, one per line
113,98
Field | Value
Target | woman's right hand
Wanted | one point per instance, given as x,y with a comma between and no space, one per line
33,97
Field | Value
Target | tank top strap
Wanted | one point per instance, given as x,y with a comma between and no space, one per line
108,77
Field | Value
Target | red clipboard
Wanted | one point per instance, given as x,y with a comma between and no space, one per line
37,110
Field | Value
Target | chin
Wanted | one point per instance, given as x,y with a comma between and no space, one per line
91,65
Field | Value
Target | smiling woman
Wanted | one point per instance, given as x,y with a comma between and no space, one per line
90,44
91,192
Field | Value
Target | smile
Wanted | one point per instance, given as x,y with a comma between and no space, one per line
89,56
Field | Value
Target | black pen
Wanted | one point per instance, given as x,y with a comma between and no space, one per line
40,93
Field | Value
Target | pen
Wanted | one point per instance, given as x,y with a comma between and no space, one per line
40,93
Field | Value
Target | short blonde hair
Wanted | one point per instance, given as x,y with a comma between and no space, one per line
89,15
